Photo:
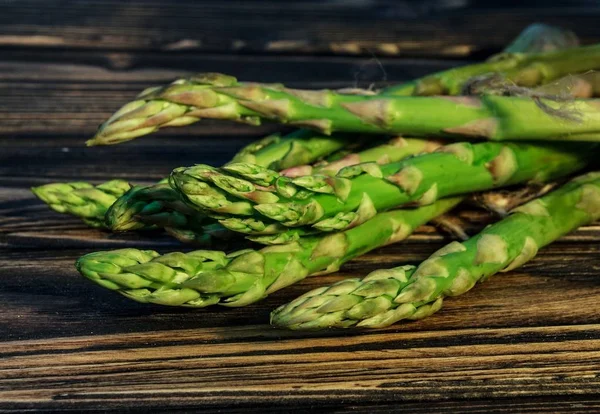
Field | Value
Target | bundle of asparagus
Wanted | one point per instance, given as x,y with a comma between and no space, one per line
319,199
134,209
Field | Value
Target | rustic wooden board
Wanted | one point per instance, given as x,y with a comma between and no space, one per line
386,27
526,341
518,341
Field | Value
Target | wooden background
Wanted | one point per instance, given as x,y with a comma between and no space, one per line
525,341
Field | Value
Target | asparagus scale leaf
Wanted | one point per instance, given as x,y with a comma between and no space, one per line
407,292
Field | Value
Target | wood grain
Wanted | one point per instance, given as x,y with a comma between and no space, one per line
526,341
48,93
384,27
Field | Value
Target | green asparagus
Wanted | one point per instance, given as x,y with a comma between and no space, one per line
405,292
204,278
394,150
159,205
486,117
133,210
274,151
82,199
551,53
186,101
297,148
358,192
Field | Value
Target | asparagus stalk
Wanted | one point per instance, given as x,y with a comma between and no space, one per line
551,54
407,292
143,206
203,278
489,116
81,199
394,150
358,192
133,210
182,102
160,206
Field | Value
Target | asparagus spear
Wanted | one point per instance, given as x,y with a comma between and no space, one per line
274,151
202,278
160,204
358,192
489,116
407,292
182,102
394,150
82,199
536,40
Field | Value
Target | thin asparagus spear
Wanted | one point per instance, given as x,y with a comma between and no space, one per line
82,199
203,278
358,192
300,147
388,296
182,102
511,62
394,150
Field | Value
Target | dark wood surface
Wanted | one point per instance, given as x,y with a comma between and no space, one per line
526,341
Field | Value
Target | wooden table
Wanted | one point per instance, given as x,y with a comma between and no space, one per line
528,340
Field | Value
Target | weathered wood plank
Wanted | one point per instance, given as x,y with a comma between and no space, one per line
145,160
218,368
46,93
433,27
523,341
43,287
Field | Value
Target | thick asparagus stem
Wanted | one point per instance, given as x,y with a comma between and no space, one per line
182,102
81,199
142,206
358,192
159,205
489,117
204,278
387,296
